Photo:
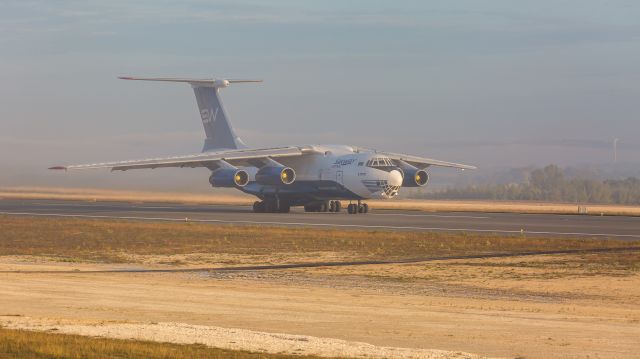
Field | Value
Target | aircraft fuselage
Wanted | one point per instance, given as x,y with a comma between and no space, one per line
333,172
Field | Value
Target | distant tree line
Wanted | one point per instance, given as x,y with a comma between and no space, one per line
551,184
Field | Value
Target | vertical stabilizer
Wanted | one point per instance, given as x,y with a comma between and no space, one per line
220,134
217,127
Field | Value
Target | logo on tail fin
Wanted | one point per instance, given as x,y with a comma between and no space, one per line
207,116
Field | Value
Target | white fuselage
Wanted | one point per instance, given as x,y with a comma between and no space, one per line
350,168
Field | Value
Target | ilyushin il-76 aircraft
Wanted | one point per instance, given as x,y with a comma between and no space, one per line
317,177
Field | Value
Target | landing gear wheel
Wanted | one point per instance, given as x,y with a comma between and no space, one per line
337,206
332,206
354,208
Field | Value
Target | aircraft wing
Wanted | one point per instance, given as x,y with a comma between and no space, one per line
206,159
422,162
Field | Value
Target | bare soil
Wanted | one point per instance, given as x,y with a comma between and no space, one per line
565,305
504,307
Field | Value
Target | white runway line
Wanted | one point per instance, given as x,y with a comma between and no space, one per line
429,215
438,229
398,215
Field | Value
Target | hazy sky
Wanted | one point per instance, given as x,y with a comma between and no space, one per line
485,82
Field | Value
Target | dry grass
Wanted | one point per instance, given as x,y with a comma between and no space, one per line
88,194
496,270
120,241
17,344
506,207
243,199
610,264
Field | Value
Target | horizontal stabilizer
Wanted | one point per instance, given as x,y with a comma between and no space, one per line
193,82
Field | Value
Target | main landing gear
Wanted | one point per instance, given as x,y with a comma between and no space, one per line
360,207
324,206
271,206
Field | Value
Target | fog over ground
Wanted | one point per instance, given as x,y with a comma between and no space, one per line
495,83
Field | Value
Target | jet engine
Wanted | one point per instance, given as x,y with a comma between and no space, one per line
414,177
275,175
229,177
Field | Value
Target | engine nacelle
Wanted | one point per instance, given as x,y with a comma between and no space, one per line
275,175
229,177
414,177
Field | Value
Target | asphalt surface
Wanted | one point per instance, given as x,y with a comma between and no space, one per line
618,227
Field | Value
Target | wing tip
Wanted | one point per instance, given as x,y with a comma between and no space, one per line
58,168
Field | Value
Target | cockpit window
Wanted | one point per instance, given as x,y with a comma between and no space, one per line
379,162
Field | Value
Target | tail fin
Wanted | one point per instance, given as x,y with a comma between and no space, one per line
220,134
217,127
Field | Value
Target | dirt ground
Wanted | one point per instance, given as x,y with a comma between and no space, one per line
552,306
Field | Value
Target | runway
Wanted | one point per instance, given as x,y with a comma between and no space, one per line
618,227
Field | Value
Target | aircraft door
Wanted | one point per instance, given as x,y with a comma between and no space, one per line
339,177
